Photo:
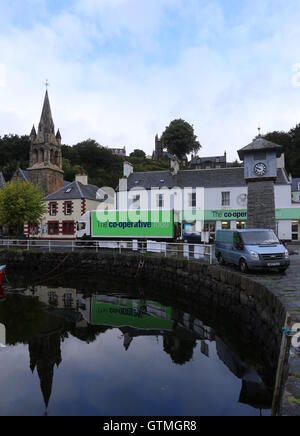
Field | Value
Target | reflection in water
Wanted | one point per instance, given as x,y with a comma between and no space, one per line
54,318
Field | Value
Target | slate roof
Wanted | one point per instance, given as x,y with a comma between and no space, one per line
295,184
24,174
74,191
46,122
212,178
2,180
260,144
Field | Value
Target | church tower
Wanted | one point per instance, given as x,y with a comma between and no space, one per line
45,160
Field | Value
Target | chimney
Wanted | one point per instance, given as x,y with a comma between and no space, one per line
127,169
82,178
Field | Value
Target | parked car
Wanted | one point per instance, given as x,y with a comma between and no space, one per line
251,249
192,237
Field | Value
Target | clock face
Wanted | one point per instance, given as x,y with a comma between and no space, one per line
260,169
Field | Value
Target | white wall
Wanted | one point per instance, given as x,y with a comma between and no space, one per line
283,196
213,198
285,230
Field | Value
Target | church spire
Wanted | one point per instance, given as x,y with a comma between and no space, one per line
46,123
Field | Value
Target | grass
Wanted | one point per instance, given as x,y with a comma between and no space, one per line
290,290
297,375
295,401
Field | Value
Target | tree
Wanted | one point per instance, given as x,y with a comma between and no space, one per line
102,167
290,142
139,154
20,203
179,138
14,153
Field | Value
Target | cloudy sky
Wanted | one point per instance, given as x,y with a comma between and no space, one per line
121,70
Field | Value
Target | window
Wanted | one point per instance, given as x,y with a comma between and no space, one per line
295,231
68,227
226,225
241,225
211,228
53,228
68,208
225,198
192,200
53,300
160,201
53,209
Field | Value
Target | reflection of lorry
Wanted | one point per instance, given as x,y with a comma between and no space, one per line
251,249
123,312
123,225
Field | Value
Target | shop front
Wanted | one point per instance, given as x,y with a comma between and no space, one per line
288,222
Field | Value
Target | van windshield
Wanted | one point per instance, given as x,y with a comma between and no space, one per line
267,237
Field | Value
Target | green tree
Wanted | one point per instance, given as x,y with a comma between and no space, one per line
102,167
140,154
290,142
14,153
20,203
179,138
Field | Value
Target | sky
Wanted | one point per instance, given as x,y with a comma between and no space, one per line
121,70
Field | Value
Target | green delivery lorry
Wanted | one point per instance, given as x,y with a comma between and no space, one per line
128,225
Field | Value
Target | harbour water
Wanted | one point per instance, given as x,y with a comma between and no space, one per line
108,351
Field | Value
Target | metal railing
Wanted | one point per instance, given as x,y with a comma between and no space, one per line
164,249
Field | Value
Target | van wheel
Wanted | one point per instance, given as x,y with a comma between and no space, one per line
243,266
283,270
221,260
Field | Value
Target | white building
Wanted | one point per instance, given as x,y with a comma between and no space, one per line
206,200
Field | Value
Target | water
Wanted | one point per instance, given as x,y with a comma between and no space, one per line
74,352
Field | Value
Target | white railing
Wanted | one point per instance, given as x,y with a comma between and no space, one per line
165,249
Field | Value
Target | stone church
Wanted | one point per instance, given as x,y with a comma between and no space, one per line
45,159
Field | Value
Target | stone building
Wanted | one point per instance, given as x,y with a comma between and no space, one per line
120,152
206,163
65,207
45,159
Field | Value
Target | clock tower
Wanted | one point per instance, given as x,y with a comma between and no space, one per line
260,167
